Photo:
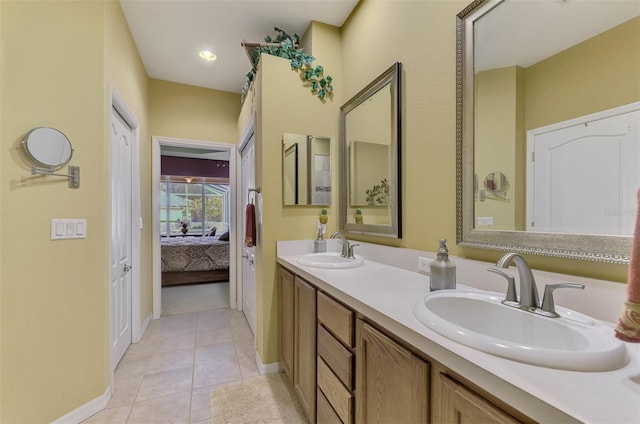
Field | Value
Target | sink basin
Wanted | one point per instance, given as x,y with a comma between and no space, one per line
329,260
479,320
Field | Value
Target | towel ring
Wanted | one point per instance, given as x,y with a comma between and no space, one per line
255,190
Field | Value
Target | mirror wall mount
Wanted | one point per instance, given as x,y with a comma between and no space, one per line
370,168
48,150
599,248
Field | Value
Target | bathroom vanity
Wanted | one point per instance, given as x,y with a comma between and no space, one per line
353,350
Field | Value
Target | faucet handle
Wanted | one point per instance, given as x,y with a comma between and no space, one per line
511,285
548,306
351,246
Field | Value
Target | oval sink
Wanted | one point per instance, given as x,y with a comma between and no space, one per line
329,260
480,321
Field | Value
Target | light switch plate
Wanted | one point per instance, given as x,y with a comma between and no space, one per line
66,229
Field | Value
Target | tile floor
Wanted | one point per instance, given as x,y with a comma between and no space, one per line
168,376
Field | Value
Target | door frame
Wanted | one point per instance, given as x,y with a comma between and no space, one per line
156,143
242,142
116,101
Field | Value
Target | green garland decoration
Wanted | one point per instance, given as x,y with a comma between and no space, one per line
300,61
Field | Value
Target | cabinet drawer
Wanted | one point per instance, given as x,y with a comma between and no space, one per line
338,396
336,356
326,414
336,318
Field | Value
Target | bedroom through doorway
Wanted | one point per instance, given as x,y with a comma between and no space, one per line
194,252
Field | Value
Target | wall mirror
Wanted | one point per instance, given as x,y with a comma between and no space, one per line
370,158
47,147
528,96
306,170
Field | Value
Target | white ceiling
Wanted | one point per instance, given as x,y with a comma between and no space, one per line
170,33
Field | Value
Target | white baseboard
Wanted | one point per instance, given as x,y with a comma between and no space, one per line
143,328
271,368
87,410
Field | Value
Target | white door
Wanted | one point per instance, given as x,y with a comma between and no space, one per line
584,177
248,171
121,136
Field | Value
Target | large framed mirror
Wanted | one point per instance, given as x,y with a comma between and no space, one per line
306,170
370,142
556,115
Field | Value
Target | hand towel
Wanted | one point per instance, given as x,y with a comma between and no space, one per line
250,218
628,328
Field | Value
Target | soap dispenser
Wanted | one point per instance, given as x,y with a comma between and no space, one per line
319,244
443,271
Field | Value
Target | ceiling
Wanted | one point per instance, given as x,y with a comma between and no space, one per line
170,33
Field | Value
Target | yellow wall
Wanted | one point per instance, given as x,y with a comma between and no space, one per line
55,294
421,35
497,95
283,104
185,111
598,74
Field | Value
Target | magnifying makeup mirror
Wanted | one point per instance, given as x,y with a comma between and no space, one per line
48,150
47,147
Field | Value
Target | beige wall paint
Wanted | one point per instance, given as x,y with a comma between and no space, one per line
283,104
598,74
185,111
53,292
496,95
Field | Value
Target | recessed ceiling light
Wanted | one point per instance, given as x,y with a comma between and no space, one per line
208,55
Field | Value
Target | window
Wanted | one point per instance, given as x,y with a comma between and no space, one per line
196,204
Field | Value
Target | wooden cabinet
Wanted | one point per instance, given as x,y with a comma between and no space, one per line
336,330
458,404
344,370
297,342
392,384
304,352
286,283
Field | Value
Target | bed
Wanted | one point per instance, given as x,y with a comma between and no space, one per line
188,260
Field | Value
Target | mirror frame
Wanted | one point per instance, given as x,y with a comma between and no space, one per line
609,249
392,77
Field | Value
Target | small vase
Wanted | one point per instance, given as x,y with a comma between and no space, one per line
184,230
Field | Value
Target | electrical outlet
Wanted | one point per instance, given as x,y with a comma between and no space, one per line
423,264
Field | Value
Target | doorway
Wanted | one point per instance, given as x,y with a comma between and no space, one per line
162,226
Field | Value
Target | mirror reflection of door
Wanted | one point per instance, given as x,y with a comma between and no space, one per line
290,175
585,175
306,170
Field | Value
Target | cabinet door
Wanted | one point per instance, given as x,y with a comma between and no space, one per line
286,320
304,361
461,405
392,384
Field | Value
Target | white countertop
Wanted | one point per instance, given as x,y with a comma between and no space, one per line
386,294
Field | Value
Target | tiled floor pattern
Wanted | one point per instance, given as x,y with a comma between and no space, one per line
168,376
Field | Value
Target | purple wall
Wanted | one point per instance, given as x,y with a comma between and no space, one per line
188,167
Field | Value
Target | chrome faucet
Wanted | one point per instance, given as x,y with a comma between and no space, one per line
528,289
347,249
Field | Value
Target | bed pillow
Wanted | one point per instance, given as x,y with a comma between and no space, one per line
211,232
224,236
